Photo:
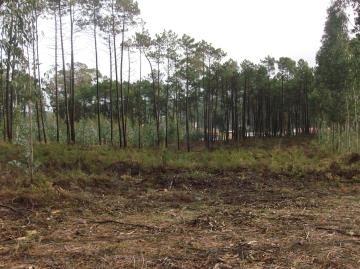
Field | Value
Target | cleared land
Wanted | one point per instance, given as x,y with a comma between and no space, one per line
267,213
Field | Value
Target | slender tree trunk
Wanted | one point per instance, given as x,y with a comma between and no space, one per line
177,119
39,81
356,123
155,100
244,110
121,84
97,77
72,78
111,96
204,102
282,107
36,83
140,99
29,103
158,104
208,110
2,88
167,106
116,76
307,121
11,102
64,78
128,90
37,118
56,81
186,105
7,83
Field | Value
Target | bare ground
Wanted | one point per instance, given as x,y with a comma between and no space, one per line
181,219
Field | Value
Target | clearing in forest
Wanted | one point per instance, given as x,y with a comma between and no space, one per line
131,215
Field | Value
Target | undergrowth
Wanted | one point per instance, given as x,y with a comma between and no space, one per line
274,155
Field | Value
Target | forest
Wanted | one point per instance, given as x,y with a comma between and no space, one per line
176,155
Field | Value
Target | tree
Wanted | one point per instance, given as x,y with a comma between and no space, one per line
60,9
188,46
127,11
332,59
286,71
171,46
91,11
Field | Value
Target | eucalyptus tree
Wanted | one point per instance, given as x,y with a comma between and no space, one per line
53,8
38,7
9,45
72,4
355,5
16,33
333,64
61,10
2,112
355,84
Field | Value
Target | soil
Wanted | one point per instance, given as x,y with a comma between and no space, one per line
173,219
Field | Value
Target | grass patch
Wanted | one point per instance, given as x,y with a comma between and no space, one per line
277,155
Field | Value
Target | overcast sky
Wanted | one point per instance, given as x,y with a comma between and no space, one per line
248,29
245,29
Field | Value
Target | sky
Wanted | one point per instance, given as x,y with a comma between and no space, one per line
244,29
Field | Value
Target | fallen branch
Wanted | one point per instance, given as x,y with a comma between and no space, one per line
338,231
11,209
126,224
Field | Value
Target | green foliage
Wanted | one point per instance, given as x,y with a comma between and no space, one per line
333,64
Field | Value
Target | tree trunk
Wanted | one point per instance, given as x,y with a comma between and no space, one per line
64,77
282,108
128,90
72,78
155,101
186,106
139,106
244,110
7,84
56,81
111,96
121,84
97,78
167,106
39,81
29,103
116,75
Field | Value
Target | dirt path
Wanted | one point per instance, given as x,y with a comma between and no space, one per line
177,220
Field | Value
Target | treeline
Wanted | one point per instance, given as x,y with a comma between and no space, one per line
193,93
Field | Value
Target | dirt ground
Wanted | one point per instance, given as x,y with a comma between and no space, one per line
182,219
